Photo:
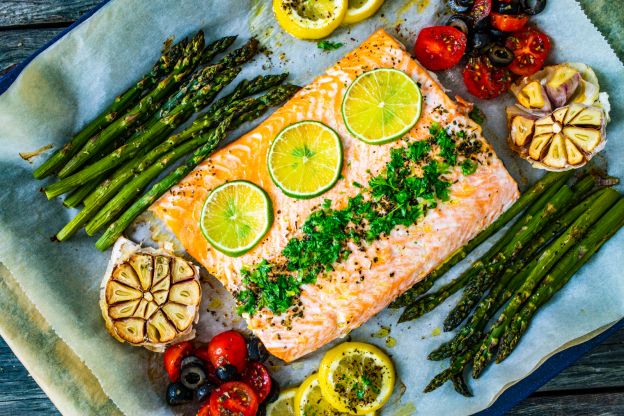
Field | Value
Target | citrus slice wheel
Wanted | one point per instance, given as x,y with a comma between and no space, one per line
235,217
356,378
309,400
361,9
284,405
306,19
305,159
381,105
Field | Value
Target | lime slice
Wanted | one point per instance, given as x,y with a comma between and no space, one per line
235,217
305,159
381,105
284,405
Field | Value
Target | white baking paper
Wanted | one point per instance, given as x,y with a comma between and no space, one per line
75,79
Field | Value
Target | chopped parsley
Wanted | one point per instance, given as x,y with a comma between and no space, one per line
413,181
328,45
477,115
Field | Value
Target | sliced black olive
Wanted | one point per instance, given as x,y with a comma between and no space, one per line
480,41
262,411
203,392
193,376
480,26
274,393
537,7
191,360
460,6
178,394
510,7
227,372
497,34
460,22
500,55
256,351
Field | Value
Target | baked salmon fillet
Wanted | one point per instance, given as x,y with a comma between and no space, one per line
375,273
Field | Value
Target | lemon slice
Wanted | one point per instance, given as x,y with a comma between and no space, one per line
235,217
356,377
305,159
284,405
381,105
361,9
310,19
309,400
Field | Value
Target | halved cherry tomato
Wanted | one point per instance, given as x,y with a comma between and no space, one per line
480,10
508,22
234,398
530,48
257,376
228,348
440,47
173,356
485,80
204,410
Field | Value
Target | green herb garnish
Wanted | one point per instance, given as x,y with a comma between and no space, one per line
477,115
328,45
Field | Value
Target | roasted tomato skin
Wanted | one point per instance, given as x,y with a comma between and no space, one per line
440,47
228,347
530,48
234,398
480,10
484,80
258,378
508,22
173,356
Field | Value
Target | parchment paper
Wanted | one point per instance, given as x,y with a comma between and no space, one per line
75,79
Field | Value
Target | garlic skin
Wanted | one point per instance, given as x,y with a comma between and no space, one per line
149,297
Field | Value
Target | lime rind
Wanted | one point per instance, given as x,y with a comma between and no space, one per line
408,82
322,187
263,214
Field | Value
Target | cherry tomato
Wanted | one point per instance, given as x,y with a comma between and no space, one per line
205,409
228,348
480,10
257,376
234,398
173,356
508,22
485,80
530,48
440,47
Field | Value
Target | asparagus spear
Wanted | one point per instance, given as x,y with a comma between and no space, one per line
547,183
141,111
74,199
560,274
484,279
170,55
508,283
429,302
458,363
539,267
116,229
140,141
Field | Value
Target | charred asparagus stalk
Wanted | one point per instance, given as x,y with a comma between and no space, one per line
539,267
548,182
117,228
170,55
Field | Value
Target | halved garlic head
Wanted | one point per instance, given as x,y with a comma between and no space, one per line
565,139
150,298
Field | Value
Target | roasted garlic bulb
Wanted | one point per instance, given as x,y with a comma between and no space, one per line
150,297
567,138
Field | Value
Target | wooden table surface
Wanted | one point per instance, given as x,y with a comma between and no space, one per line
592,386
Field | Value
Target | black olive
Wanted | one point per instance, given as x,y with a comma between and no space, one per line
507,7
498,34
203,392
534,9
460,22
274,393
178,394
256,351
480,41
460,6
500,55
227,372
262,411
191,360
193,376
